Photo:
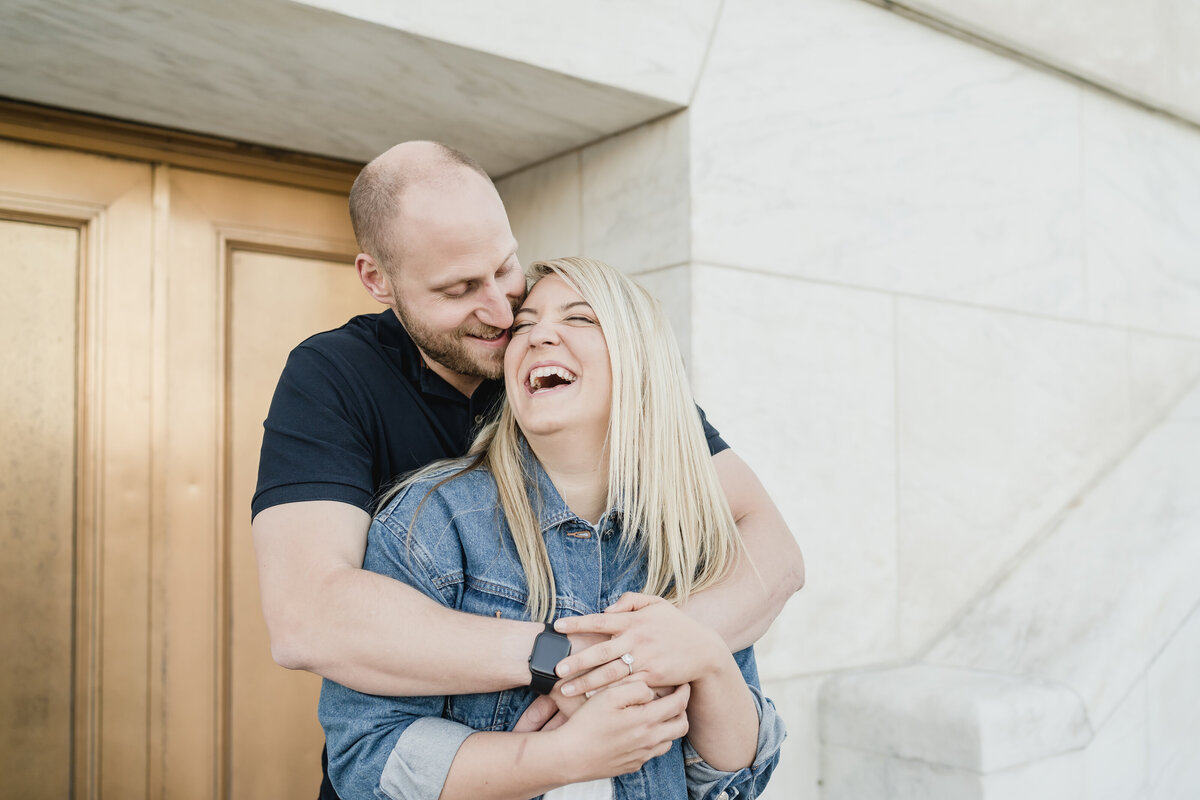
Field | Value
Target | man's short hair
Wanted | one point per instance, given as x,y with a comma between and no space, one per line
375,196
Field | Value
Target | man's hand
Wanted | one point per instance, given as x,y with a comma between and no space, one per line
550,711
668,647
619,730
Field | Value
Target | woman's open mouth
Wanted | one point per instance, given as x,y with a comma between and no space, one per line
546,379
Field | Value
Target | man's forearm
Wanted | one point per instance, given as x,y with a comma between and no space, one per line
744,605
376,635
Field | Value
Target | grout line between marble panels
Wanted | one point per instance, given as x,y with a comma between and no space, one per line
1112,326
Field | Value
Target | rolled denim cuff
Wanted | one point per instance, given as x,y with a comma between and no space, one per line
420,761
705,783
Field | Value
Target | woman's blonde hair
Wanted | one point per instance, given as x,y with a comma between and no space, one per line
660,473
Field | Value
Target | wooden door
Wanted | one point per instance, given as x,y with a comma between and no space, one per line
146,312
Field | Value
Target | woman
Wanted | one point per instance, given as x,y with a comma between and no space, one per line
594,482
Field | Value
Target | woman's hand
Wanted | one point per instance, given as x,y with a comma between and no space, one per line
620,729
668,647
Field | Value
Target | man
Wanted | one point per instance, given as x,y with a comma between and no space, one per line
388,393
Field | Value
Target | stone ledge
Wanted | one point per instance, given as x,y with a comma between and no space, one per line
952,717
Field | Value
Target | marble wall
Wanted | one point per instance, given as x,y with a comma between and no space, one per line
933,296
1142,48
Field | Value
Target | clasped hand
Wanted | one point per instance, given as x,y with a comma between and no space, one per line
668,647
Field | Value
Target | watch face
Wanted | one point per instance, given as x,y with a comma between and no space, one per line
548,650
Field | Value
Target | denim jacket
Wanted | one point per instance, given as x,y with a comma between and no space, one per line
461,554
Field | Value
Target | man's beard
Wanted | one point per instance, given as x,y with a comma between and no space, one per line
449,348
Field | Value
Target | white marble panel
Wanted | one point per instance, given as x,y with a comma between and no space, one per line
544,208
1058,778
636,197
1093,603
654,47
1174,697
837,141
673,288
1003,419
798,377
982,722
852,774
1135,48
1115,763
1181,20
1161,371
798,775
1142,218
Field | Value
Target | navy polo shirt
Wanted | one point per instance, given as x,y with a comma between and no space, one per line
356,408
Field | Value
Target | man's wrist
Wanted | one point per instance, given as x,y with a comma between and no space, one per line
518,644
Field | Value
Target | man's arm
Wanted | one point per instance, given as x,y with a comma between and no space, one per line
745,604
739,609
327,615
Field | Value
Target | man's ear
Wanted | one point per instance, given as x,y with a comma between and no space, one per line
374,279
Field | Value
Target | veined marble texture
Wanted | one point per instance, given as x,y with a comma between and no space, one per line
653,47
1142,202
1093,604
544,208
1116,762
1173,695
294,76
635,196
624,200
799,379
1003,419
978,721
1143,49
673,289
797,777
1161,370
836,141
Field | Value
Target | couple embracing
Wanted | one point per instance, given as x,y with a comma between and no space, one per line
567,609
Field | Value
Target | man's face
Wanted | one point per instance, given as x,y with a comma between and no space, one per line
458,280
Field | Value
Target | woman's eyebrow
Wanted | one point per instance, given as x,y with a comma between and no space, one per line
566,307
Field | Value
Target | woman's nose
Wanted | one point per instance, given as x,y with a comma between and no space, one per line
543,333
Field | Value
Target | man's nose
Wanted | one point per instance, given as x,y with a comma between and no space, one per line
495,310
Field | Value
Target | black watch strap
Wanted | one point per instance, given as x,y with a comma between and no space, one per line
542,683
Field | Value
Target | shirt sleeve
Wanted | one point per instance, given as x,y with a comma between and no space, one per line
395,747
715,443
706,783
316,445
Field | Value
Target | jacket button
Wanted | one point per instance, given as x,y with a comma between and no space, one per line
723,796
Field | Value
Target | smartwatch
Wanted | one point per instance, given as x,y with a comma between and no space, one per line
549,648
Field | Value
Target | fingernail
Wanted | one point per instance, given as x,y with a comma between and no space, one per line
568,689
588,695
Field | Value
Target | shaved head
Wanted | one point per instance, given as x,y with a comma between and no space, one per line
375,196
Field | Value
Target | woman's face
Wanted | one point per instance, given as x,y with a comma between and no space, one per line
556,370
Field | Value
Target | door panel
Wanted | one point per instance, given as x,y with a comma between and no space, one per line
148,311
268,705
256,268
37,495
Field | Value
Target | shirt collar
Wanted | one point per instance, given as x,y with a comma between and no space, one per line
548,505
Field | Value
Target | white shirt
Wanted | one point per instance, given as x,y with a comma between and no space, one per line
599,789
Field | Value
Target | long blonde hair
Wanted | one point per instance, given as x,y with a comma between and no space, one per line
660,473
